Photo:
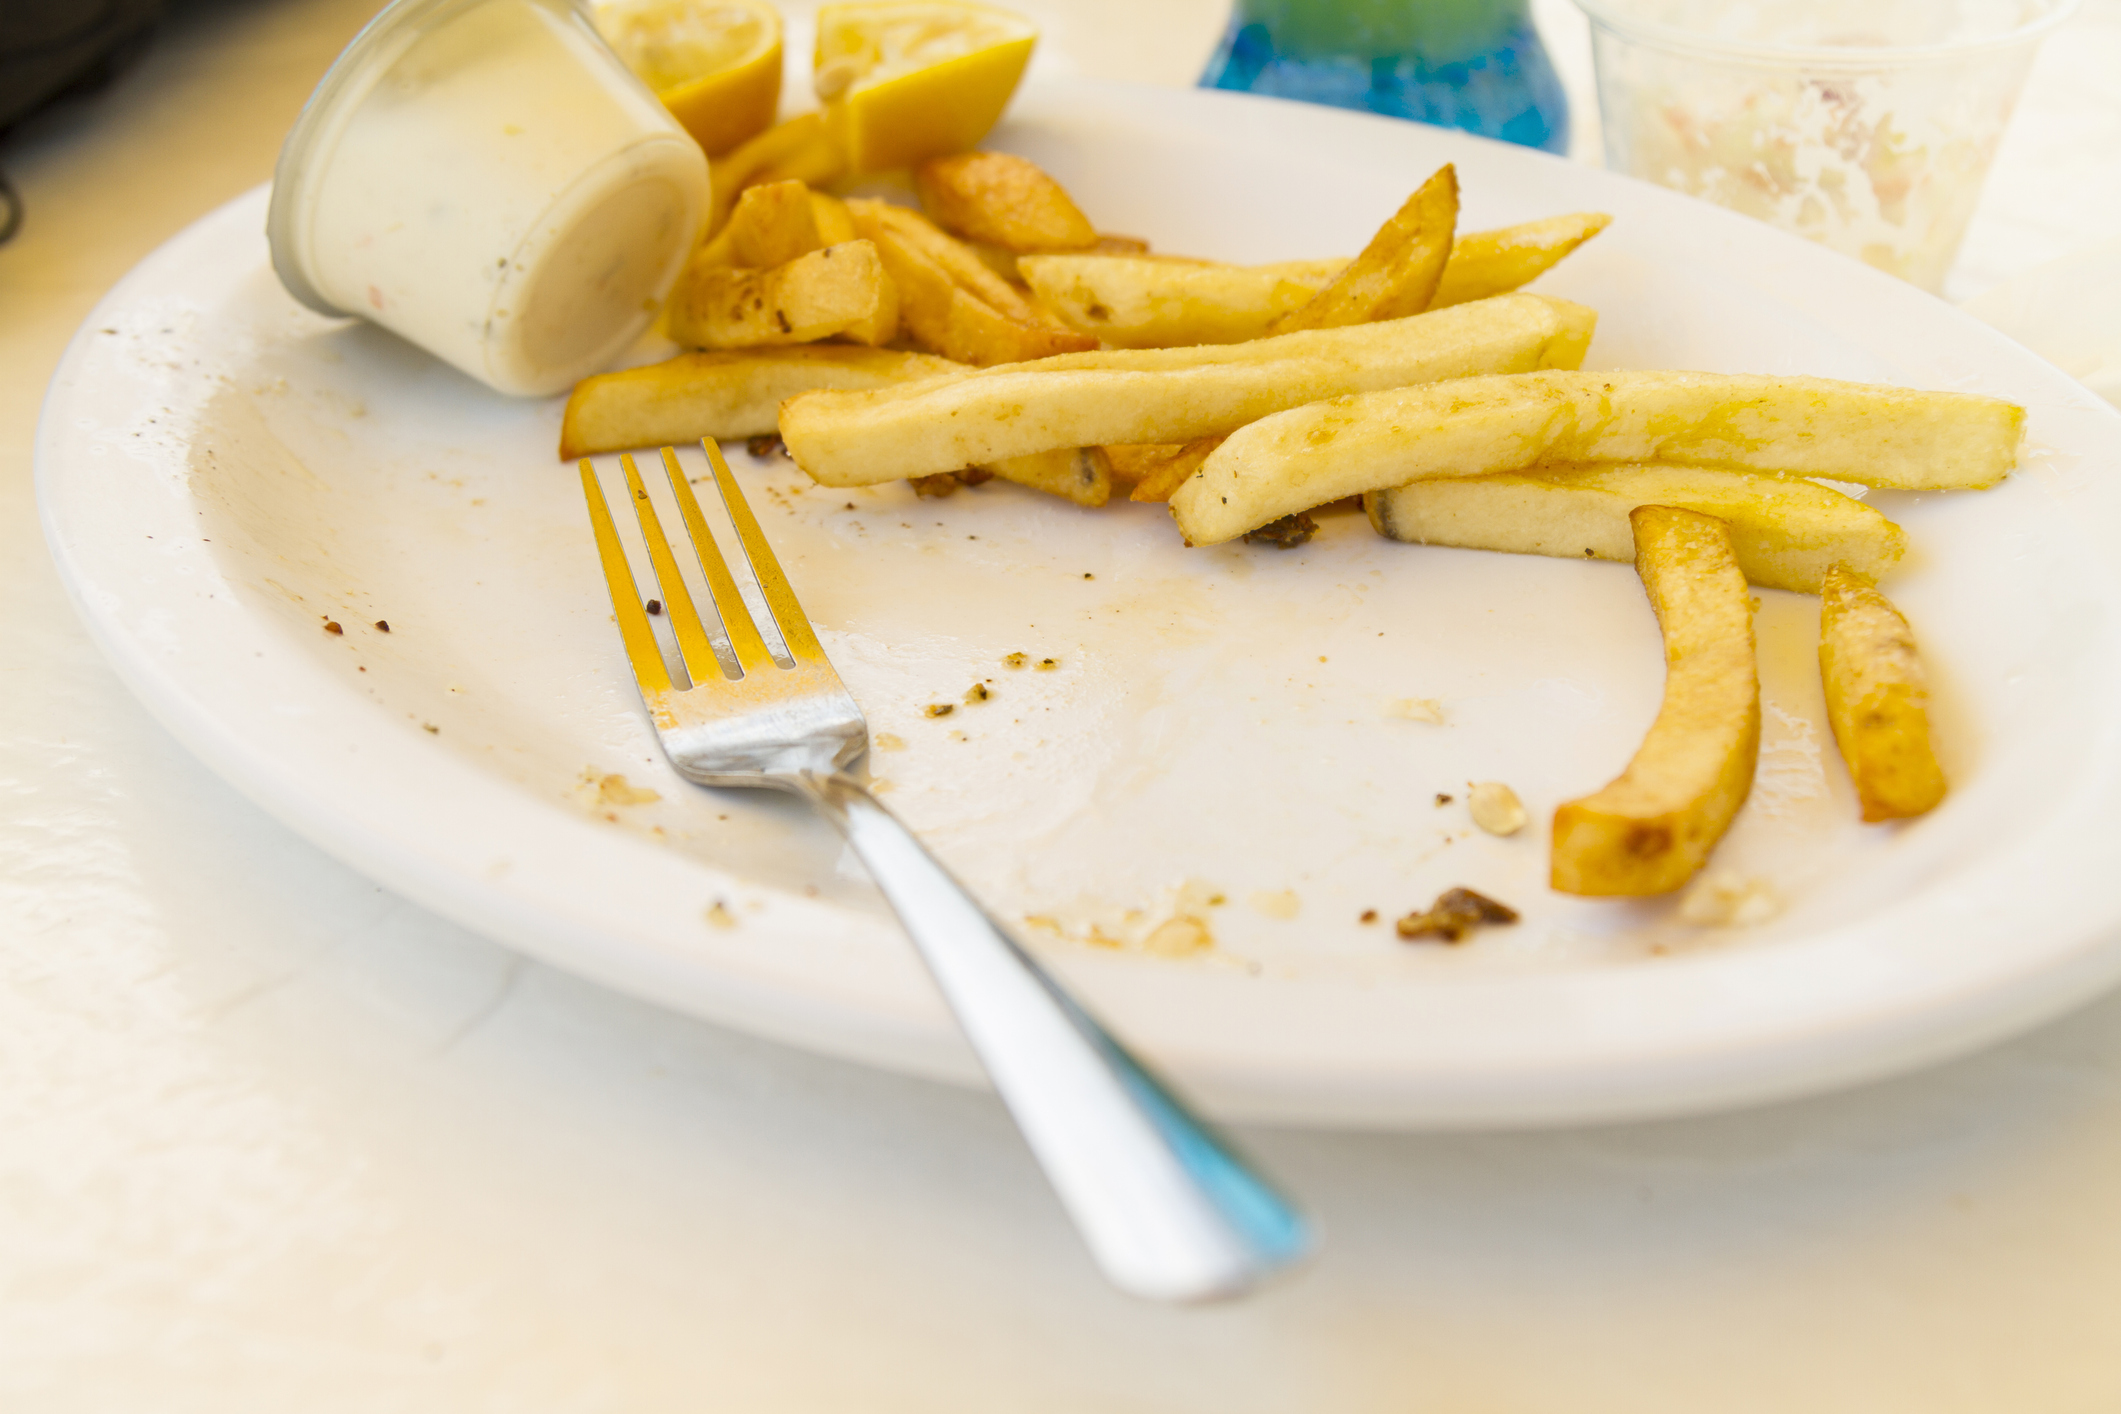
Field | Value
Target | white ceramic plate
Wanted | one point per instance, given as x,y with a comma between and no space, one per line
222,472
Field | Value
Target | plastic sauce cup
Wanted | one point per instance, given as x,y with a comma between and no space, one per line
486,179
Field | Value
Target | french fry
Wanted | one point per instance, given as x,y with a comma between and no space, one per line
721,395
1163,395
841,289
1142,302
1001,200
1487,263
1170,472
1398,272
772,224
799,148
1080,474
834,224
1786,532
950,301
1865,433
1877,698
1651,829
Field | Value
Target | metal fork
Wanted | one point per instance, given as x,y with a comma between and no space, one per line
1168,1208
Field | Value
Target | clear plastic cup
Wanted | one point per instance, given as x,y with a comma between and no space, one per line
1866,125
486,179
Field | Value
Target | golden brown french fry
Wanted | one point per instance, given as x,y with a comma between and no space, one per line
949,300
1650,830
1080,474
1877,698
838,290
772,224
721,395
799,148
1397,273
1787,532
1002,200
834,224
1143,302
1487,263
1865,433
1171,473
1163,395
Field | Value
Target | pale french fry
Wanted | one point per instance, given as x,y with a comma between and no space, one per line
799,148
721,395
1877,698
1171,473
772,224
1131,461
1487,263
950,301
1865,433
1163,395
1080,474
838,290
1397,273
1142,302
1650,830
1002,200
1786,532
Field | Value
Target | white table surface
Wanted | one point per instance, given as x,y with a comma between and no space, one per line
272,1139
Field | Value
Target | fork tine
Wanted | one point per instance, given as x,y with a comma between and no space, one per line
634,632
802,644
751,651
693,644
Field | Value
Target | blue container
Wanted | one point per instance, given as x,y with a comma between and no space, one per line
1477,65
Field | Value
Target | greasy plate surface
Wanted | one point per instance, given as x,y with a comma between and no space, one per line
221,473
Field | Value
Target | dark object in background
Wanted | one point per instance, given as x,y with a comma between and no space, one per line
51,49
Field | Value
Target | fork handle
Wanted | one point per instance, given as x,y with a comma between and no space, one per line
1170,1210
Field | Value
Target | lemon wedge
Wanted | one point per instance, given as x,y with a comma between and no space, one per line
906,80
716,64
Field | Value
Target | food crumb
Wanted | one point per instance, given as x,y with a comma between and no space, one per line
430,728
1369,915
332,628
1047,665
1089,576
382,625
1442,799
1179,936
1275,903
1455,913
939,709
934,487
850,505
978,693
1015,660
1496,808
1727,899
766,444
1414,709
1284,534
719,916
655,606
885,741
615,789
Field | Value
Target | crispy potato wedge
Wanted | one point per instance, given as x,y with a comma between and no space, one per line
1786,532
1162,395
1487,263
1865,433
772,224
1171,472
1650,830
841,289
1398,271
721,395
799,148
1142,302
950,301
1877,698
1002,200
1079,474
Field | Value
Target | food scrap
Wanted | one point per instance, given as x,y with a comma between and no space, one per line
769,444
1495,808
979,692
938,709
1722,898
1455,913
1284,534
